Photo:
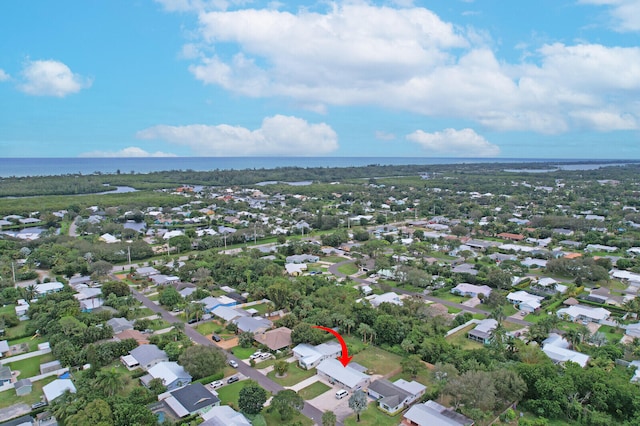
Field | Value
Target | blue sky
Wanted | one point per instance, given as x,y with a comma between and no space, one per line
456,78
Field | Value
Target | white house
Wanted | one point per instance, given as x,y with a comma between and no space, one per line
348,377
56,388
390,297
173,376
310,356
525,301
471,290
557,348
46,288
584,313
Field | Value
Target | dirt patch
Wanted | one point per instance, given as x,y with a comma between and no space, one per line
226,344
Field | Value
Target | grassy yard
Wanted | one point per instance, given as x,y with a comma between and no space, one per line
18,330
377,360
273,418
454,310
294,375
460,339
333,259
154,297
450,297
372,416
348,269
33,342
209,327
7,309
9,397
31,366
613,334
262,308
311,391
243,353
423,376
229,394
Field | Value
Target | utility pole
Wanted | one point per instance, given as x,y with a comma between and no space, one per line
13,270
129,254
255,235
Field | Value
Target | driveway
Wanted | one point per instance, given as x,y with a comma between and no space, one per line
15,410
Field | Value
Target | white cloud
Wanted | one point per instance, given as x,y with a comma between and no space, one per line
625,13
4,76
408,59
131,151
457,143
51,78
278,135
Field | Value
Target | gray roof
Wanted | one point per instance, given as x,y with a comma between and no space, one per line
5,373
346,375
145,354
22,383
387,389
224,416
252,324
431,414
120,324
194,397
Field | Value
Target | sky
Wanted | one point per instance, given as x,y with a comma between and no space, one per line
395,78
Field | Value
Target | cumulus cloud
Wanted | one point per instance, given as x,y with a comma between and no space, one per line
4,76
51,78
131,151
278,135
624,13
456,143
409,59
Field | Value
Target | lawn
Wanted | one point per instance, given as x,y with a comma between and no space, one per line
348,269
154,297
454,310
333,259
9,397
262,308
243,353
377,360
273,418
7,309
313,390
210,327
18,330
31,366
450,297
294,375
229,394
460,339
372,416
613,334
33,342
423,376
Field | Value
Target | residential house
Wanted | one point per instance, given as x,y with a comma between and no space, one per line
161,279
46,288
471,290
431,413
20,421
556,347
276,339
108,238
23,387
210,303
465,268
584,313
295,269
57,388
309,356
252,324
302,258
21,309
347,377
600,247
120,324
483,331
509,236
147,271
173,376
229,314
525,301
389,297
394,397
191,399
139,337
187,291
83,280
89,298
5,375
145,357
550,286
4,348
224,415
534,263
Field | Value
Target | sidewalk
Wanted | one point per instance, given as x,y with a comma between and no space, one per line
303,384
24,356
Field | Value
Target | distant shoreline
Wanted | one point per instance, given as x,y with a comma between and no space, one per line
23,167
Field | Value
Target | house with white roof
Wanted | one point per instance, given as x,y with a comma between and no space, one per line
483,331
556,347
525,301
252,324
21,309
173,376
46,288
108,238
471,290
147,271
229,314
396,396
57,388
210,303
584,313
224,415
389,297
4,348
309,356
431,413
347,377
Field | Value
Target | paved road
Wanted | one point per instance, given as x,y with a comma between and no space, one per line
309,410
73,227
334,270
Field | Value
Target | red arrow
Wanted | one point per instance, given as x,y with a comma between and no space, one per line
345,358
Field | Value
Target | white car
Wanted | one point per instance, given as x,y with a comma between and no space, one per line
233,363
265,355
341,394
216,384
256,355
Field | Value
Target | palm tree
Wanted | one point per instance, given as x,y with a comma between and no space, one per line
498,314
109,381
30,292
573,336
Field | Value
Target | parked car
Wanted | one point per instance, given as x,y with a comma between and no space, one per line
256,355
341,394
232,379
38,405
233,363
265,355
215,338
192,321
216,384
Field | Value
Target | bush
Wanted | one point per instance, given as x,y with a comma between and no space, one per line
209,379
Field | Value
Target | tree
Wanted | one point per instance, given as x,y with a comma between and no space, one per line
281,366
286,403
252,398
170,297
156,386
509,385
96,413
109,381
245,339
411,365
358,403
202,361
329,418
119,288
464,390
100,268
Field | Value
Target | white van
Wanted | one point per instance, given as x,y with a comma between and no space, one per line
341,394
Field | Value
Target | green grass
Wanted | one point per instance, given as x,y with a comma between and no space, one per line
377,360
229,394
243,353
373,416
31,366
438,255
262,308
450,297
313,390
273,418
8,309
613,334
154,297
294,375
18,330
9,397
33,342
208,327
348,269
423,376
333,259
460,339
454,310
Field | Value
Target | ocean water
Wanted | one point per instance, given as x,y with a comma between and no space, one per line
61,166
